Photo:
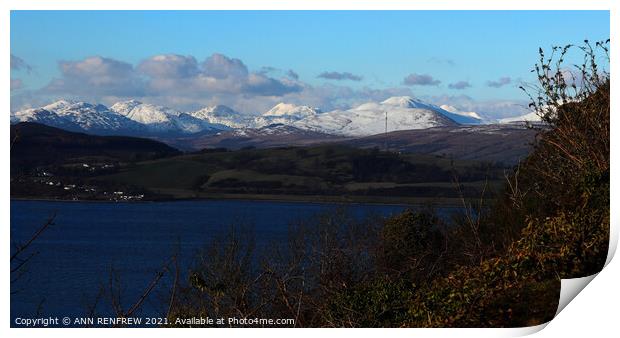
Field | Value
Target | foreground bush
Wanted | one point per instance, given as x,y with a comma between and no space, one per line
562,207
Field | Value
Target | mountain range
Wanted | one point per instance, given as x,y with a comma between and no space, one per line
143,119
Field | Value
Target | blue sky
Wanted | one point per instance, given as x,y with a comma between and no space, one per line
340,57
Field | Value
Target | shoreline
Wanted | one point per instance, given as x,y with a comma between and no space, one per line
373,200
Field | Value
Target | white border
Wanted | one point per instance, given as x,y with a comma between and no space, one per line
312,4
592,313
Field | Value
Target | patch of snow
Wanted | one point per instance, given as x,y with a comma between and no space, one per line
285,113
156,118
530,117
402,112
79,116
454,110
222,115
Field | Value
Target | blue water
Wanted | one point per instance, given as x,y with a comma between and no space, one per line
76,255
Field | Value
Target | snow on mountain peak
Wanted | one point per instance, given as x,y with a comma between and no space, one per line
529,117
128,117
223,116
454,110
156,118
76,116
125,107
135,117
289,109
164,119
286,114
60,104
280,109
402,113
403,102
216,111
71,107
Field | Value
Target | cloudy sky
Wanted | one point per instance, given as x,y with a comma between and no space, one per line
252,60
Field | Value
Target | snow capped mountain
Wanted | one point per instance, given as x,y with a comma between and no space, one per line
125,107
402,112
409,102
405,102
471,114
78,116
129,117
285,113
223,116
137,118
160,119
287,109
530,117
186,123
155,118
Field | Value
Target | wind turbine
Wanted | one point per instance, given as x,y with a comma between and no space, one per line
386,131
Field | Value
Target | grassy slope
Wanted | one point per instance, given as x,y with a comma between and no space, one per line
321,170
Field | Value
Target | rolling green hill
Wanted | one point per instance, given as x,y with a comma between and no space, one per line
328,170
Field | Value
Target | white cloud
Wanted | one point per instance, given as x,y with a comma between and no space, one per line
166,75
96,76
221,67
169,66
